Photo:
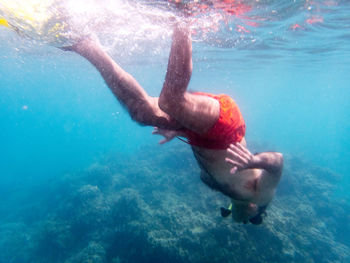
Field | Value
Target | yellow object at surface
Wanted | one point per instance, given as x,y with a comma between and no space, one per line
3,22
35,11
35,19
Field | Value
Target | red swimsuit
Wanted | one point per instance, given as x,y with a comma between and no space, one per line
229,128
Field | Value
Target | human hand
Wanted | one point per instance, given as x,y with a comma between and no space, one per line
168,134
239,157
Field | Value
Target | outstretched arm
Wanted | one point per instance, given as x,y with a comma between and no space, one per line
241,158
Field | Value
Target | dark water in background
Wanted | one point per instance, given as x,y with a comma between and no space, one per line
57,117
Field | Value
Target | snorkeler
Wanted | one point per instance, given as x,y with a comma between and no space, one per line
212,124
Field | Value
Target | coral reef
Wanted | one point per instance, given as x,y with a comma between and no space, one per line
154,208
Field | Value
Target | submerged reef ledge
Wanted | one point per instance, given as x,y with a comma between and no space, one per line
154,208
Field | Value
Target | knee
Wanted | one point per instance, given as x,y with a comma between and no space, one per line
138,117
163,102
168,102
147,113
141,112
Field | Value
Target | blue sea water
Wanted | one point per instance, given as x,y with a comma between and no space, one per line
291,82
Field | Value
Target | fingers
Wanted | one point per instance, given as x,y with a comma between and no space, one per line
236,166
234,163
155,130
239,157
163,141
243,149
158,131
239,150
233,170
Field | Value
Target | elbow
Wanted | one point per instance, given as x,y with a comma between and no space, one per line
170,102
280,161
280,158
163,103
142,112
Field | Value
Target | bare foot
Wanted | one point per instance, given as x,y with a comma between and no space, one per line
83,45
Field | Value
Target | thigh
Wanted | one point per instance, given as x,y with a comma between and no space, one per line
195,112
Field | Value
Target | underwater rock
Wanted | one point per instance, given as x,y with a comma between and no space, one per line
100,176
14,240
154,208
93,253
89,206
52,241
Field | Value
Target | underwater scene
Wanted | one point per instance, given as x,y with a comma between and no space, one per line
80,181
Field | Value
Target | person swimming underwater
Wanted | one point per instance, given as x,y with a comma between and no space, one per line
212,124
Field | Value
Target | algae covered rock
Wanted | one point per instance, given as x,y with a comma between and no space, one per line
154,208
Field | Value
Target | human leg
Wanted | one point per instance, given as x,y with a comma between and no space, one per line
142,108
195,112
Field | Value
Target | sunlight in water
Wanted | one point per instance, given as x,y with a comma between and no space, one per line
144,27
59,22
116,22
